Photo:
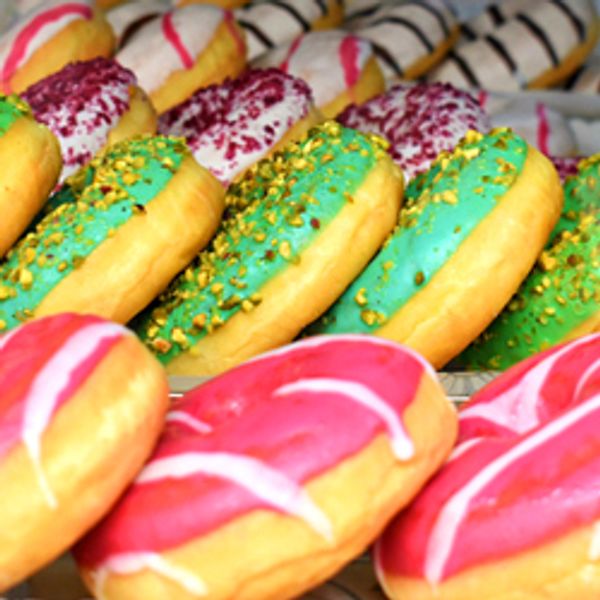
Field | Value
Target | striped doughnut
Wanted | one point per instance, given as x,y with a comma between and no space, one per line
409,37
419,121
302,226
544,128
586,79
48,37
514,513
268,23
221,3
116,234
542,44
30,164
127,18
82,405
260,460
470,230
89,105
231,126
560,298
182,50
340,68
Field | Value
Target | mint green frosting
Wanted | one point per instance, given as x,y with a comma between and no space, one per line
277,210
442,207
104,195
11,109
562,291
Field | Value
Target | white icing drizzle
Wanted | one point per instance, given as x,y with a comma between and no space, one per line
357,392
48,385
594,549
133,562
153,59
42,35
516,408
184,418
455,509
316,59
257,477
585,377
463,447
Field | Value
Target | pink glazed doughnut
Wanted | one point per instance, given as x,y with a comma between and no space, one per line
271,477
82,405
231,126
419,121
515,512
89,105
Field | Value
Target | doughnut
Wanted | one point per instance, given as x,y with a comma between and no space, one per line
419,121
438,280
541,45
83,403
31,164
231,126
302,225
277,476
268,23
49,37
585,80
183,50
340,68
559,300
409,38
221,3
514,513
120,229
89,105
546,129
127,18
565,165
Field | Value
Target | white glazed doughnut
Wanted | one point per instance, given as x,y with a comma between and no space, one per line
539,46
409,37
340,67
126,18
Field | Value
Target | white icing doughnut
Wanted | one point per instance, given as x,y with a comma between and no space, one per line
407,36
537,47
268,23
124,17
331,62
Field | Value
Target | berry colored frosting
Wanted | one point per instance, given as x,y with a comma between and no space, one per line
42,365
35,29
12,108
565,165
561,293
330,61
276,211
231,126
81,104
112,189
419,121
525,472
441,209
251,440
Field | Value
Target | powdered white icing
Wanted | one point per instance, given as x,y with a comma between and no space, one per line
316,59
594,549
455,509
49,384
128,563
257,477
44,34
184,418
153,58
517,407
278,24
357,392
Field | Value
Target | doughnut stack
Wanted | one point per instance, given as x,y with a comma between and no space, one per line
306,207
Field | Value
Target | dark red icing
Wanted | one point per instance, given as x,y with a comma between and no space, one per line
419,121
80,104
245,116
566,165
299,434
